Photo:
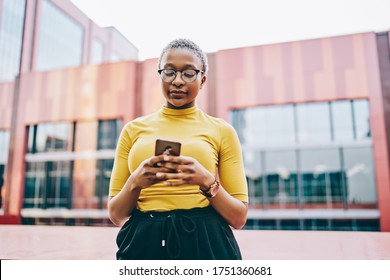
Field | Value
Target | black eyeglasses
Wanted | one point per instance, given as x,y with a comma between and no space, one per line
187,75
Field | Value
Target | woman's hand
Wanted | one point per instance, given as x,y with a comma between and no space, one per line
121,205
145,175
184,170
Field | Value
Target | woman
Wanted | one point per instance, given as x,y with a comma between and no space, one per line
179,207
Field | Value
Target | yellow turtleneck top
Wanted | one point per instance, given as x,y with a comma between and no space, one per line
211,141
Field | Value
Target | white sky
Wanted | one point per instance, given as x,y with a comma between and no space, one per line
225,24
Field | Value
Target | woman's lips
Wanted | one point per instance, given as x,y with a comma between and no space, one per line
177,94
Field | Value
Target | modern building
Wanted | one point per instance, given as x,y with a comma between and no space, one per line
44,35
311,116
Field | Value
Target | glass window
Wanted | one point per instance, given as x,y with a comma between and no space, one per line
58,184
260,224
253,167
321,177
2,174
103,175
4,146
313,123
279,125
11,34
269,125
31,138
35,177
237,119
342,121
97,52
108,134
289,224
86,136
360,176
281,177
60,42
53,137
254,130
362,119
342,225
367,225
316,224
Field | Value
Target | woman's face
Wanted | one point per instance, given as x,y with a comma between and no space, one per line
178,93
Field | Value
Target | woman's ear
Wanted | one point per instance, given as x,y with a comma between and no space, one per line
202,81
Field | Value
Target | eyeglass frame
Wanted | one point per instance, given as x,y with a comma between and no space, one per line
197,71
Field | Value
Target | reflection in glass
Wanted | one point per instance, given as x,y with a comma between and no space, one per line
103,175
97,52
316,224
362,119
69,44
2,174
281,177
237,119
254,131
4,145
58,179
313,123
253,167
279,125
11,35
35,177
321,176
342,121
108,134
31,137
53,137
360,176
269,126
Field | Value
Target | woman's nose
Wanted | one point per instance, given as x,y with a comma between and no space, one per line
178,79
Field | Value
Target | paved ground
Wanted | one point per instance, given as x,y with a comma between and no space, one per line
98,243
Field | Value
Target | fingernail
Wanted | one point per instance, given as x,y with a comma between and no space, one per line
166,157
158,174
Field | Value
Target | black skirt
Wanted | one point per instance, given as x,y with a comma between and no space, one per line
194,234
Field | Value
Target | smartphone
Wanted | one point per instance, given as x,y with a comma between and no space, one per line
167,146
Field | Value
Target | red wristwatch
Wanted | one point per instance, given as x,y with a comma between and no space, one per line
212,190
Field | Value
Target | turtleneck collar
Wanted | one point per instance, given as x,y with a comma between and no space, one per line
178,112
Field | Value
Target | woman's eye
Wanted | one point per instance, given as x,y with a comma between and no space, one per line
189,74
169,73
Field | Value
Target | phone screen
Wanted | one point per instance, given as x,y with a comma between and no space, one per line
166,146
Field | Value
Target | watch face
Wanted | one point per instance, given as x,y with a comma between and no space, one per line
214,189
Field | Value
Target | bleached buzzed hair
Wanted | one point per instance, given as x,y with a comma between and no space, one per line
187,45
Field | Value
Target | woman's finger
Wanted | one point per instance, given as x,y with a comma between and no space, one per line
169,175
175,183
